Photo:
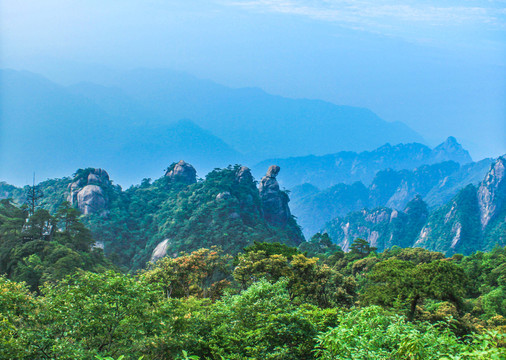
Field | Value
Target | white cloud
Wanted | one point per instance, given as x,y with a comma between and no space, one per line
388,15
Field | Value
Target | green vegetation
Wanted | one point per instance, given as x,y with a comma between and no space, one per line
231,286
43,248
191,216
271,301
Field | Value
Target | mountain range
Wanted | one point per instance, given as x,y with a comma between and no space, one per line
348,166
474,219
131,123
389,176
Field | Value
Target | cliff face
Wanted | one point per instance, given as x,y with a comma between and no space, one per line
381,227
492,192
87,193
475,219
436,184
454,228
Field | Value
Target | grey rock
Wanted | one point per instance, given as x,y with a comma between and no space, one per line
160,250
223,195
273,171
91,199
87,192
244,176
274,201
182,172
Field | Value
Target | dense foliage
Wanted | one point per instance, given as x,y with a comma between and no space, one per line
42,247
271,301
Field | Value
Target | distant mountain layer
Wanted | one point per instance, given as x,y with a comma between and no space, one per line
48,129
348,167
436,184
130,122
474,219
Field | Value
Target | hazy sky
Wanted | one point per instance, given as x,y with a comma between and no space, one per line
439,66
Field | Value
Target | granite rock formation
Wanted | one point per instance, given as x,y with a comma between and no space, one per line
160,250
244,176
182,172
87,193
382,227
274,201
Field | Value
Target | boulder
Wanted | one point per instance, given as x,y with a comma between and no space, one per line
87,193
273,171
182,172
91,199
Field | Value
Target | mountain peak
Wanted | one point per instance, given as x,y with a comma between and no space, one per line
450,149
451,141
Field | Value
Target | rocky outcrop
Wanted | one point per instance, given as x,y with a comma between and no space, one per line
492,192
223,195
91,199
451,228
160,250
182,172
244,176
454,227
274,201
87,193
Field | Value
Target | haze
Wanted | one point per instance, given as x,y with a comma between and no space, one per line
437,66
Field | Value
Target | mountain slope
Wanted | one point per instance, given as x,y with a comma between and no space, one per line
474,219
174,213
436,184
382,227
